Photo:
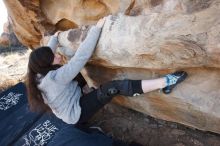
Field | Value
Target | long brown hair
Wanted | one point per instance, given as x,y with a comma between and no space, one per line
40,62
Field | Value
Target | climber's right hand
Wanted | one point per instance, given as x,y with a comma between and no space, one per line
57,33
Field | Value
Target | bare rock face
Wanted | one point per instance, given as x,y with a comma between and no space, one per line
8,37
34,19
4,39
155,38
29,23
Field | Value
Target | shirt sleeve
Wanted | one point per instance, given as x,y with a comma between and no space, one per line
70,70
53,42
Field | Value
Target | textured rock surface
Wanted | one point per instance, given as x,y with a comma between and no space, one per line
29,23
157,44
4,39
159,37
8,38
34,19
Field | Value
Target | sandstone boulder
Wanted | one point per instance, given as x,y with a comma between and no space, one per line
4,40
146,47
8,37
33,19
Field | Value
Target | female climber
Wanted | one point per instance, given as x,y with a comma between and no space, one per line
55,88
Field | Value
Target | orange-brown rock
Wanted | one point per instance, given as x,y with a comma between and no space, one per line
4,40
29,23
33,19
8,37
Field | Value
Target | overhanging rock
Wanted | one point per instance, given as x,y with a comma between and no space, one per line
146,47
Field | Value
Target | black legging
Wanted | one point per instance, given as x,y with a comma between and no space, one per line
95,100
80,79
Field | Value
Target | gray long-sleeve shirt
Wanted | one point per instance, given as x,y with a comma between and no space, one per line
59,91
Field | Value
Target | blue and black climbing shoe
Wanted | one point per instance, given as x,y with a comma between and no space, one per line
173,79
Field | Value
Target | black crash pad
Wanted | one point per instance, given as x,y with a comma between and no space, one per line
15,115
19,126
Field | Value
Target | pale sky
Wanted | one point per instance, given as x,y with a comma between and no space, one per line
3,15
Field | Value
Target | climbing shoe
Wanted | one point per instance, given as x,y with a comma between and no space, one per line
173,79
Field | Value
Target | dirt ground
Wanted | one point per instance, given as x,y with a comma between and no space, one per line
116,121
13,66
129,125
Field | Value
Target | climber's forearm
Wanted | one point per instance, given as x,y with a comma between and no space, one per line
53,43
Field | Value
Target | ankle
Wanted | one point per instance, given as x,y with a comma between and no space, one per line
164,82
